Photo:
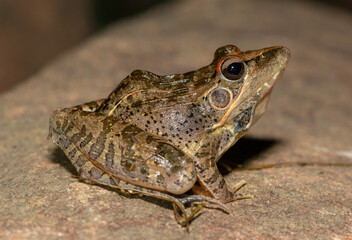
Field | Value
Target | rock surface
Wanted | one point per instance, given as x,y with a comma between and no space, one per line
308,120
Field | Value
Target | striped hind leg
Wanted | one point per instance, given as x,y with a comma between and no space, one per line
96,176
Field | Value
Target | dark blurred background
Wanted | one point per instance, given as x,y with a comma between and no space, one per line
34,32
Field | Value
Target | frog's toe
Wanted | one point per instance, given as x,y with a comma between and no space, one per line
239,185
204,200
201,202
240,197
237,196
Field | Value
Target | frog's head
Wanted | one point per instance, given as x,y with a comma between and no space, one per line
245,81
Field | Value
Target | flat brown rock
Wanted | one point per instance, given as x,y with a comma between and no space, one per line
308,120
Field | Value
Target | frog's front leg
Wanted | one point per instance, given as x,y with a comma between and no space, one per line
208,173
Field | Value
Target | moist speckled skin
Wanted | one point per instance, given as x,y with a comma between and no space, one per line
160,134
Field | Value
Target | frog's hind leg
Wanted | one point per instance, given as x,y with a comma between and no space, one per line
96,176
107,179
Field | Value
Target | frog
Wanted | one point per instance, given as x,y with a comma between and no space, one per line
162,135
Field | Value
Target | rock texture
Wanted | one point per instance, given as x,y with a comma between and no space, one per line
308,120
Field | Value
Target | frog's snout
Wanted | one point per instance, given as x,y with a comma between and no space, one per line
284,53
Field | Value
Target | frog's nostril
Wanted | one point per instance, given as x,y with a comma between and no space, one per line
279,54
285,52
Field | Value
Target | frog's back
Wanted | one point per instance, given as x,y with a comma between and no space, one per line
171,89
164,105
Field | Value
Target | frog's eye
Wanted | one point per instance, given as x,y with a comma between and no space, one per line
233,68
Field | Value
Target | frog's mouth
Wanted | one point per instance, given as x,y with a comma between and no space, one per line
265,68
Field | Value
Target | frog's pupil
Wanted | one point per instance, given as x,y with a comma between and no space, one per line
234,68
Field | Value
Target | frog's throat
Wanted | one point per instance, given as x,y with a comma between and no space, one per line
245,100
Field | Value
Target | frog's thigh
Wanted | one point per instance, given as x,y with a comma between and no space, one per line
147,160
127,152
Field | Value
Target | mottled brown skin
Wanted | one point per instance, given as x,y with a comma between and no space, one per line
158,135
